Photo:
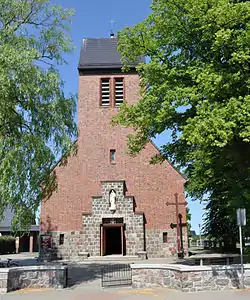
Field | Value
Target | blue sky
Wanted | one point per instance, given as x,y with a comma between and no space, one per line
92,19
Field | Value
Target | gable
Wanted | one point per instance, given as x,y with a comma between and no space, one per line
167,163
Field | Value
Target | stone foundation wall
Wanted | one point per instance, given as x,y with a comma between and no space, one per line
154,243
73,244
32,277
77,243
189,278
155,246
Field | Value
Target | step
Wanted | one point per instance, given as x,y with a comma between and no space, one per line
113,258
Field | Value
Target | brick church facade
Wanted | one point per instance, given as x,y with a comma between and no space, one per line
106,201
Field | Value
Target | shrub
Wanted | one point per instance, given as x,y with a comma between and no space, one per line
7,244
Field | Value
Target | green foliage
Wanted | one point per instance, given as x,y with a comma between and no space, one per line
7,244
36,118
220,223
188,218
196,84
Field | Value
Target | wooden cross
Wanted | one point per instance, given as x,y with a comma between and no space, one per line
178,223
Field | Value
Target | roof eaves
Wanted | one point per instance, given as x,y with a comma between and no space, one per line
60,159
99,65
186,180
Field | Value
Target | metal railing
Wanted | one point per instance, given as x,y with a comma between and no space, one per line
225,260
116,275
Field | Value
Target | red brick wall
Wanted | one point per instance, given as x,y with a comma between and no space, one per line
151,185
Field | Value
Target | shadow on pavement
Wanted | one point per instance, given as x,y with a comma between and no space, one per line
83,273
78,274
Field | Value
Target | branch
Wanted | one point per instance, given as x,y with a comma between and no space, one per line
14,28
28,19
45,62
153,53
20,121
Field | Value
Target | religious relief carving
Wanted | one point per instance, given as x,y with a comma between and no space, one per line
112,201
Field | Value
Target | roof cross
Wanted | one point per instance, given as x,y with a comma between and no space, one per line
111,22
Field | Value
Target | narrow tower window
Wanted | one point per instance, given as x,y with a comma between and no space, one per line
61,239
112,156
119,91
105,92
165,237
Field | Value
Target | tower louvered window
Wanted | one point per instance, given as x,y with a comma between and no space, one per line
119,91
105,92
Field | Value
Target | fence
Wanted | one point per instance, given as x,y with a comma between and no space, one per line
224,259
116,275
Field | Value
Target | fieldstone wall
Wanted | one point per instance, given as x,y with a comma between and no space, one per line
71,247
89,243
189,278
125,208
13,279
155,246
3,280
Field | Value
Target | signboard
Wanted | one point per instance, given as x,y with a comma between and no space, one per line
241,217
46,241
45,246
241,221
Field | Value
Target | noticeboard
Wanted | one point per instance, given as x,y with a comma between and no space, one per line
241,217
45,246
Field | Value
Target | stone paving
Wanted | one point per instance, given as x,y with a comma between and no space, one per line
92,291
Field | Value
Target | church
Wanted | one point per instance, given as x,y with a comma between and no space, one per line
107,202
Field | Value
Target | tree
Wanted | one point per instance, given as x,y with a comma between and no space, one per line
195,84
36,118
188,218
220,223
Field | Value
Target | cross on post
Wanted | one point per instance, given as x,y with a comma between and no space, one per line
179,223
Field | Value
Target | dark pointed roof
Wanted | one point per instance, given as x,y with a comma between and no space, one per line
5,222
7,218
101,53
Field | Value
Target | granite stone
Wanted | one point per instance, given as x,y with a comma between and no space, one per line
189,278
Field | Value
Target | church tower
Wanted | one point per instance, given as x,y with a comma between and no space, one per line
106,201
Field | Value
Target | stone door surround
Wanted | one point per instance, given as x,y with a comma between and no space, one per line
122,215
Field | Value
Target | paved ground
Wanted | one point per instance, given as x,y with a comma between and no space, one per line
30,258
92,291
22,258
